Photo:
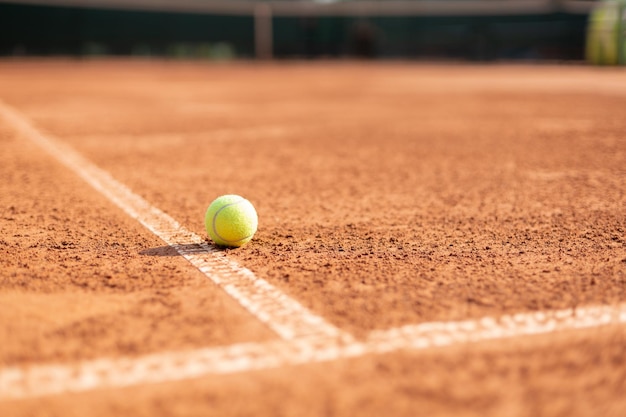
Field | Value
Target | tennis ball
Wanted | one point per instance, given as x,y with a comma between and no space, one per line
231,220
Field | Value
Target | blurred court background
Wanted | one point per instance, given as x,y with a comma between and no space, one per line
467,30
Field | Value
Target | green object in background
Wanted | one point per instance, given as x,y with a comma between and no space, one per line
606,34
222,51
94,49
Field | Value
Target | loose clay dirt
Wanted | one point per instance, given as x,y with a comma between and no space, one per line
388,194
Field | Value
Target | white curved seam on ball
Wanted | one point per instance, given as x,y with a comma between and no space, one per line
215,218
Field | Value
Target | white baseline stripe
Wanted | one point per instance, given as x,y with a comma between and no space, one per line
36,381
428,335
288,318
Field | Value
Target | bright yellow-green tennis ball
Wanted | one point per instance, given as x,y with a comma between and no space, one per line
231,220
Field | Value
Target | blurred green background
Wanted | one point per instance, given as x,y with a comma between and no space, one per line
437,29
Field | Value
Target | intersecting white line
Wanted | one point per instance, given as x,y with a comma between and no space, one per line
305,337
41,380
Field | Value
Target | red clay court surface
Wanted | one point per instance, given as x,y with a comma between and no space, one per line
433,240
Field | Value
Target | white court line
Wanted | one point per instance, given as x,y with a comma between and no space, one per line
288,318
41,380
307,338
